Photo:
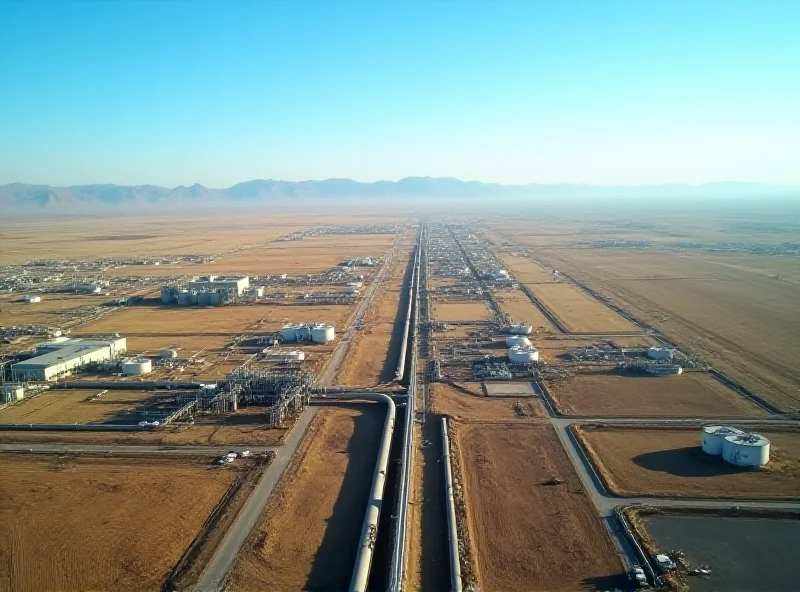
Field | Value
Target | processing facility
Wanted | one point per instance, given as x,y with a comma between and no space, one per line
59,357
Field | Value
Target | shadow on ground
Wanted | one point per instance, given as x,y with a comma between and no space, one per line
689,461
335,558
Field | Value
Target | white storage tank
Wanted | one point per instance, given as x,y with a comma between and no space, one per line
660,353
168,354
523,355
520,329
713,437
746,450
32,299
137,366
322,333
520,340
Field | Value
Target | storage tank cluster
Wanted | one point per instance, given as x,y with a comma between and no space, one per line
735,446
136,366
315,333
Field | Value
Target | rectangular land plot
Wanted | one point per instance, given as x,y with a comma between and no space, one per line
739,312
653,461
745,554
525,270
461,311
527,535
73,406
90,523
469,404
175,320
307,537
508,389
372,357
691,394
519,307
579,312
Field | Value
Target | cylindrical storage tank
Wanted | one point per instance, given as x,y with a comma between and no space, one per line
746,450
520,340
713,437
136,367
523,355
322,333
166,295
521,329
289,333
303,333
168,354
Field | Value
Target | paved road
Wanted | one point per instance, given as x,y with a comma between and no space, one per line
346,339
216,571
130,449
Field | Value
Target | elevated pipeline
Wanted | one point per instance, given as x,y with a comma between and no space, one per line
452,526
369,530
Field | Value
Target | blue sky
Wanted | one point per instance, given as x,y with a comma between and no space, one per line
171,93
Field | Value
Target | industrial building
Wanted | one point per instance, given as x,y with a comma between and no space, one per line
660,353
212,283
11,392
59,357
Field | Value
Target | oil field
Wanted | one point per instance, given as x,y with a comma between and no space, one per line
386,402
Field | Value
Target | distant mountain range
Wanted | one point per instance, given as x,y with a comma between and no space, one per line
43,196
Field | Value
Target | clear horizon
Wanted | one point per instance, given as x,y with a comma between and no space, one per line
602,92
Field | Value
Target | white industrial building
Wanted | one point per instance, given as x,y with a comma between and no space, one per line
660,353
59,357
213,282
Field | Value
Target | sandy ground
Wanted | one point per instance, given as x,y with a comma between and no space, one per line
51,310
525,270
172,232
460,311
578,311
308,536
372,358
102,524
446,400
528,535
73,406
692,299
145,321
519,307
691,394
670,462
